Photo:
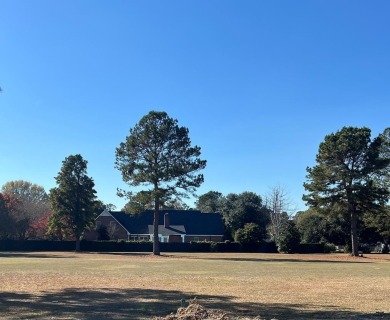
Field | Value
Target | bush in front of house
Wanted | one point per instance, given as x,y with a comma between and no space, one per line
310,248
386,248
200,246
226,246
365,248
250,233
268,247
117,246
329,247
36,245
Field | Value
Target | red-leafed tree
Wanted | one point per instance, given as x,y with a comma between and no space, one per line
39,228
15,223
6,221
27,203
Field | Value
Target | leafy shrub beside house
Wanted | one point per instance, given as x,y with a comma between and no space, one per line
250,233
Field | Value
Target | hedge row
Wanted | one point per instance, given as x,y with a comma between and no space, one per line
144,246
266,247
132,246
36,245
311,248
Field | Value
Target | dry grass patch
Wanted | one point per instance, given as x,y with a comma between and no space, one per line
140,286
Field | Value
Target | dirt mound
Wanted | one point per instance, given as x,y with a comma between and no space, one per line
195,311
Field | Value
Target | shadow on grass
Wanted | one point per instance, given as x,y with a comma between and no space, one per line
285,260
233,257
44,255
145,255
127,254
140,304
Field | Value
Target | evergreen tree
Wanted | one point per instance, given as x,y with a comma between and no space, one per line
289,238
73,201
158,154
349,166
209,202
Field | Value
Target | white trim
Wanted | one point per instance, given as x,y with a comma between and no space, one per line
105,213
138,236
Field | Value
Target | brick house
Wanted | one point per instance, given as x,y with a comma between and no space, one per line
174,226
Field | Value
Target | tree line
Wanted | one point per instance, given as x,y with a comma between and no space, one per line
28,212
347,191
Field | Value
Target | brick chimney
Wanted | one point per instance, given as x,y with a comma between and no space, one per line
166,220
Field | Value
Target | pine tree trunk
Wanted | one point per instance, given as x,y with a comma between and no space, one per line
354,237
156,243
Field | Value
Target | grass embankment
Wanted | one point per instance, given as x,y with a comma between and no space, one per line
140,286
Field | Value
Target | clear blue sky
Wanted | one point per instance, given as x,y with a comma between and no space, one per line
258,83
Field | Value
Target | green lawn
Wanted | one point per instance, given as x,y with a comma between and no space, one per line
140,286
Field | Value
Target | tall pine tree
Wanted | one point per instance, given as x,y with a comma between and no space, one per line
73,200
158,154
348,166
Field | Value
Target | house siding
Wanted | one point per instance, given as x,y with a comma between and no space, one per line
175,238
91,235
114,229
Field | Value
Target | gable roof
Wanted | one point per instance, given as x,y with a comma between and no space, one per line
177,230
190,222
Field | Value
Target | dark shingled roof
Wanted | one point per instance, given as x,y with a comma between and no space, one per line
194,222
168,231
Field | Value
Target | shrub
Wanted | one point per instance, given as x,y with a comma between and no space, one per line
213,247
365,248
329,247
250,233
200,246
36,245
289,238
268,247
310,248
228,246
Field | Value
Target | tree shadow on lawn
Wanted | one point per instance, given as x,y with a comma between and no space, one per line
234,257
44,255
127,254
286,260
137,304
